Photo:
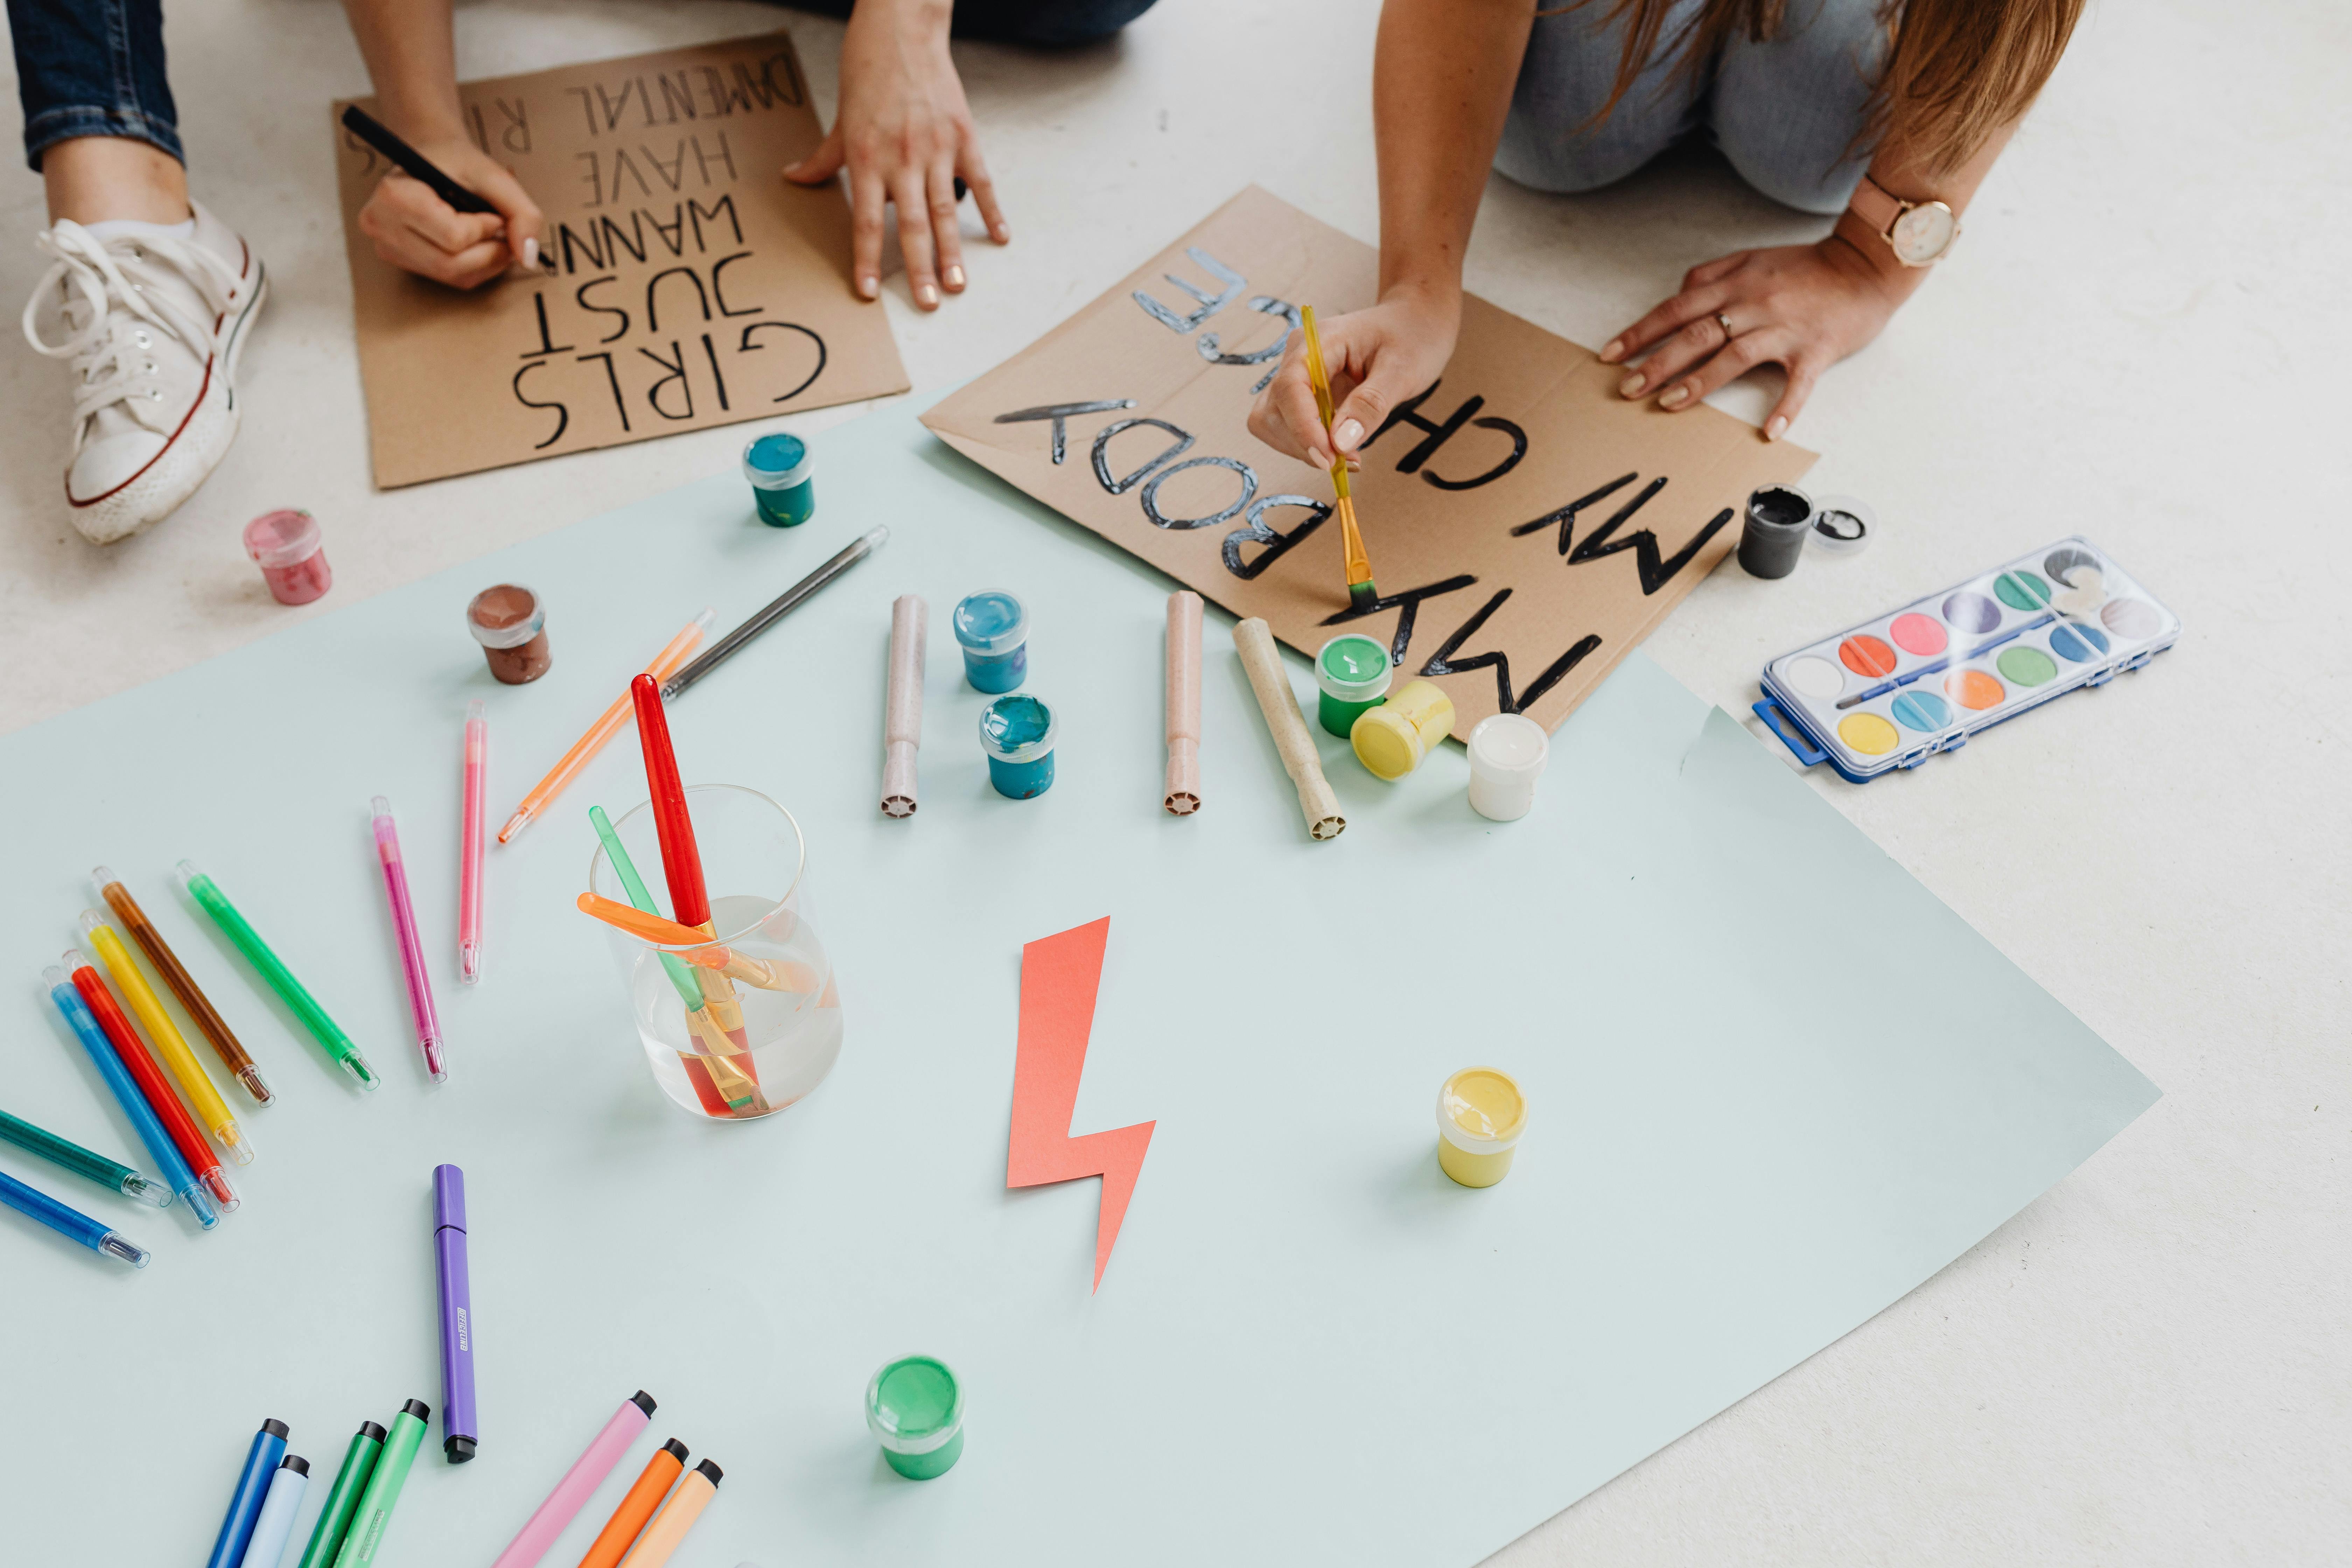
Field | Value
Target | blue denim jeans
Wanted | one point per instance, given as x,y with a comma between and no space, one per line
91,68
1787,113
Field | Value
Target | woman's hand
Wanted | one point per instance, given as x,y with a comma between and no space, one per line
906,133
1803,307
416,231
1376,358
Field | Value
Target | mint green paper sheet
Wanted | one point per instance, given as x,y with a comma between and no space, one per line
1775,1083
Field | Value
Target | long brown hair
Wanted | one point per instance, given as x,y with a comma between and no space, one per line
1956,71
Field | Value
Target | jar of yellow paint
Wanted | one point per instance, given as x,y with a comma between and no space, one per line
1480,1115
1391,739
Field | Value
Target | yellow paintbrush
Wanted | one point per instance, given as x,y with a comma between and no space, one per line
1362,594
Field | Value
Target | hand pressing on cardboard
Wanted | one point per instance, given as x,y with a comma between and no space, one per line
1376,358
1803,307
905,133
416,231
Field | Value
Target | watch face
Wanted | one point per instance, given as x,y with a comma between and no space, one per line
1921,234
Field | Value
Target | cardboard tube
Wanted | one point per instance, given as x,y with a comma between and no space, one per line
1288,727
1183,797
902,719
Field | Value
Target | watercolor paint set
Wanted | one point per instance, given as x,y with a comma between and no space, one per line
1901,686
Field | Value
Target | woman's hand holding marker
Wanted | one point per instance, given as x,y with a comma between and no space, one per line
418,231
905,133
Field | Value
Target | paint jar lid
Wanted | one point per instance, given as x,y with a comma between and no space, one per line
1481,1110
1353,668
915,1405
1843,525
1392,738
1508,747
505,614
991,622
1779,510
282,538
777,461
1018,728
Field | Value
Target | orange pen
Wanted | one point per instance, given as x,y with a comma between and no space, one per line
645,1496
711,955
666,664
677,1516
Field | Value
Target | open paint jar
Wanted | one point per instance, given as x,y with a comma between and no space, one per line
915,1406
992,629
1017,735
286,546
1507,752
1778,519
782,486
1480,1115
1392,737
748,1023
510,623
1352,672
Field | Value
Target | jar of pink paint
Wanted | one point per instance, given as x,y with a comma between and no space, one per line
285,545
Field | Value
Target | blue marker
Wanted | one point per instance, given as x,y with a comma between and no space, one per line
275,1525
72,1223
992,628
1017,733
244,1503
160,1147
779,468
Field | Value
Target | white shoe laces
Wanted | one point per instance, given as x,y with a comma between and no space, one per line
112,313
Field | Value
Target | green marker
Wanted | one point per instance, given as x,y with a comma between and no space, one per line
281,979
681,974
83,1162
915,1405
335,1518
1352,671
374,1512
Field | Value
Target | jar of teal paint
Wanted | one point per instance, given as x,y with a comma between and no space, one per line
1017,733
1353,673
915,1406
992,629
779,466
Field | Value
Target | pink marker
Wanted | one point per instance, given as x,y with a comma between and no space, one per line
412,952
469,865
539,1531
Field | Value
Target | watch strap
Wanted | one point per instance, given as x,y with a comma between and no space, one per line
1876,206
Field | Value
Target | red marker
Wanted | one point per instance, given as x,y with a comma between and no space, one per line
149,1078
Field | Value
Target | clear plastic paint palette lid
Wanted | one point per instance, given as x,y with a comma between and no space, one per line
1843,525
505,616
993,622
777,461
1017,728
282,538
1353,668
915,1405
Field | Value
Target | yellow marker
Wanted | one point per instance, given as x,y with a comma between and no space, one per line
1480,1115
1362,594
1392,738
210,1108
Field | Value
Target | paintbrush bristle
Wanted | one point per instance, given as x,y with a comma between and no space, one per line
1362,596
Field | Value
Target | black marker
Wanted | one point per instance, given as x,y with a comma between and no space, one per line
378,135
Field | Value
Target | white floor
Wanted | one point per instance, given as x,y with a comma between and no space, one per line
2143,338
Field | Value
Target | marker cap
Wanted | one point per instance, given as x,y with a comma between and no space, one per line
448,1198
643,1401
296,1463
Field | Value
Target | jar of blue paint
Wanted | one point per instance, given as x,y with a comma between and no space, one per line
780,469
992,629
1017,733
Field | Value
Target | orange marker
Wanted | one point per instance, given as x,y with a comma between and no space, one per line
665,665
645,1496
677,1516
711,955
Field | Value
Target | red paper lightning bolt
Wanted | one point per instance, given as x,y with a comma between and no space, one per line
1059,977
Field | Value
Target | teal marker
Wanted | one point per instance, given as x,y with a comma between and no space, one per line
915,1405
343,1500
374,1512
290,989
1353,675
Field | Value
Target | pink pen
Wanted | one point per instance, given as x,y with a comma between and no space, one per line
547,1522
412,952
470,866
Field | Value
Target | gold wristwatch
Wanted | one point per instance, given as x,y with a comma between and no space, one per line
1919,233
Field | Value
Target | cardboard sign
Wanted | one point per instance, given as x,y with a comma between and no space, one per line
1527,526
692,284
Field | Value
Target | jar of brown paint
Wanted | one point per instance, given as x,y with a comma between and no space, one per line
510,623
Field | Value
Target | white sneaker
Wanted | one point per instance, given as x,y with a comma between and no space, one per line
154,321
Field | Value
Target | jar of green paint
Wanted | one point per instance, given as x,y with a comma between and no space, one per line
782,485
915,1406
1353,673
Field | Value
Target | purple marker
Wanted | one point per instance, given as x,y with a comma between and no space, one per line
459,1429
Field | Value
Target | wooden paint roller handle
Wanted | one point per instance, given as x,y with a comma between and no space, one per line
1183,794
1283,720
